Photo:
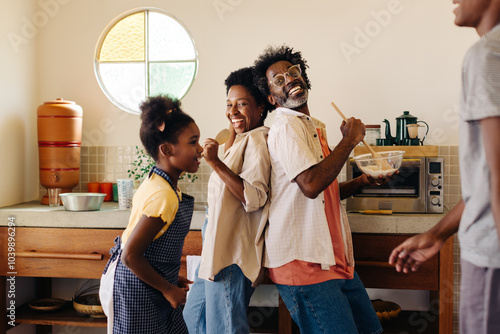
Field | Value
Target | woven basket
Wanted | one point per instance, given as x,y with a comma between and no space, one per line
46,304
386,310
89,305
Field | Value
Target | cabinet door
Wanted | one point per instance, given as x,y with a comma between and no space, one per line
57,252
192,246
371,253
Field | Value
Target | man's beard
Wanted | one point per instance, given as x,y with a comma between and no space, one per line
293,103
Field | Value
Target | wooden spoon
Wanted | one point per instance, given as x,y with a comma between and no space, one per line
222,136
383,164
372,151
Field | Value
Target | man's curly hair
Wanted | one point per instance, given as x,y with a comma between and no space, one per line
271,55
244,77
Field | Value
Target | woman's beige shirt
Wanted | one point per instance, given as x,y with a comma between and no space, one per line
234,233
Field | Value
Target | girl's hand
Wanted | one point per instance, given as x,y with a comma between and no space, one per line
175,296
184,283
210,150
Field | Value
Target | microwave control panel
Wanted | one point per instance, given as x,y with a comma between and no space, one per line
435,185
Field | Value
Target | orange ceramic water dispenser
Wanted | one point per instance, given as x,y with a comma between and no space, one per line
59,144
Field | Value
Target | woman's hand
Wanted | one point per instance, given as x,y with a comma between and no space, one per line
210,150
262,275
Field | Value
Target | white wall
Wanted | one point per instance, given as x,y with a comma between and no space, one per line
405,55
412,62
18,101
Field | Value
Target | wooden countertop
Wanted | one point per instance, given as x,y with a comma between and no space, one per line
33,214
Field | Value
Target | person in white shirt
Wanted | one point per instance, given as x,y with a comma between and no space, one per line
477,216
237,214
308,247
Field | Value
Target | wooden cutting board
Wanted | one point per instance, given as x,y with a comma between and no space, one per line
411,151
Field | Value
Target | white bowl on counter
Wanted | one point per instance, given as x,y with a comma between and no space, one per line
82,201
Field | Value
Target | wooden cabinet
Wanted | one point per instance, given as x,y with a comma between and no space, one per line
74,253
55,252
371,252
83,253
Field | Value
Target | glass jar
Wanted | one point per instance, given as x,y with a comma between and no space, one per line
372,134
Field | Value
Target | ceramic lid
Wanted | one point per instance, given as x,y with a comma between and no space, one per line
59,100
60,107
406,115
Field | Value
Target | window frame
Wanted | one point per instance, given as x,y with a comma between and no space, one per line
147,62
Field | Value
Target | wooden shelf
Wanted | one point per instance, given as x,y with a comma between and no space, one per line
412,322
65,316
410,151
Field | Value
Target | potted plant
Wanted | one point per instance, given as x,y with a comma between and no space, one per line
143,163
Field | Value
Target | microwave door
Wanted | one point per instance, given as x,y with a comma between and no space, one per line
404,184
404,193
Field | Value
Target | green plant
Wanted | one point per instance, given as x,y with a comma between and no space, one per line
143,163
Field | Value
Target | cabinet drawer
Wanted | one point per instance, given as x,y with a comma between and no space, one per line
371,253
55,252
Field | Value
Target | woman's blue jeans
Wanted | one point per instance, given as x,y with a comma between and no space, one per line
334,306
219,307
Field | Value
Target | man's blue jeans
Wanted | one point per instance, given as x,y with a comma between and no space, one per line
219,307
335,306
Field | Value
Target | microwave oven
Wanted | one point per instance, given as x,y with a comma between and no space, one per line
418,188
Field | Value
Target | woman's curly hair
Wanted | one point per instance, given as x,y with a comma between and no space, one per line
161,112
244,77
271,55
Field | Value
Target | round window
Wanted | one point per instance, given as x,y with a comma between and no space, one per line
145,52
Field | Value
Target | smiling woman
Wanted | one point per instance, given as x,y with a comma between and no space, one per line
144,52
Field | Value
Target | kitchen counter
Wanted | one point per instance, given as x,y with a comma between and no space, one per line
33,214
65,254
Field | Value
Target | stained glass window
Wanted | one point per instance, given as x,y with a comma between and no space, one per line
145,53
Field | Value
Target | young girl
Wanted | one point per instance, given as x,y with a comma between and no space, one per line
141,289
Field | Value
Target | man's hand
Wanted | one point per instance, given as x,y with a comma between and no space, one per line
414,251
353,130
381,180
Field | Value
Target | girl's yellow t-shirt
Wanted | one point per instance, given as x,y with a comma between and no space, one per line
154,198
